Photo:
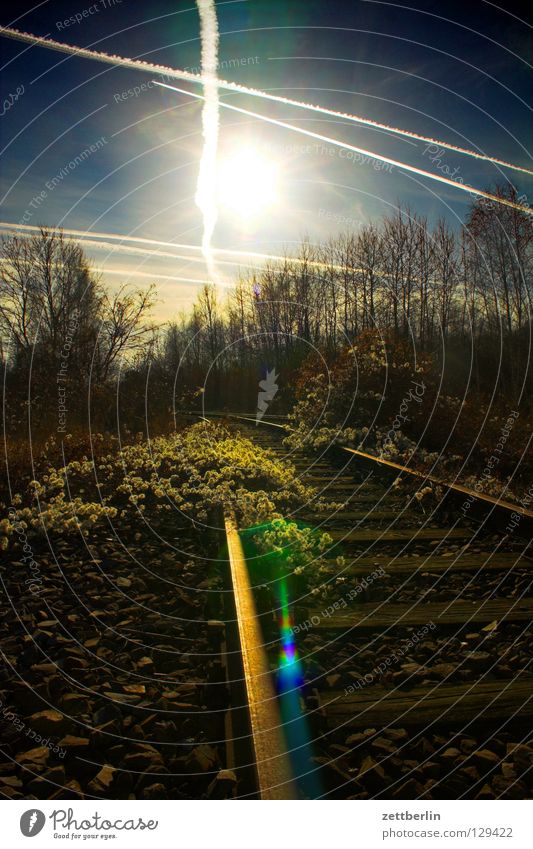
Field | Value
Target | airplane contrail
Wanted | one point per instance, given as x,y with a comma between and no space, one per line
95,238
126,272
207,183
86,237
82,236
178,74
402,165
134,249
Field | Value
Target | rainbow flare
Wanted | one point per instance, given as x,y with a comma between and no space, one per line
272,569
290,668
290,680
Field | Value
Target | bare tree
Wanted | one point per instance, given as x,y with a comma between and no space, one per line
123,330
46,287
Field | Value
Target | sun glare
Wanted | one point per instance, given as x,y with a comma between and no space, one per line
247,183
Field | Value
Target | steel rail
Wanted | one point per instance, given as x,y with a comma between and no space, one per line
272,762
488,500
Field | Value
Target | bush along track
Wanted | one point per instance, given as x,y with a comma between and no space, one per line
112,685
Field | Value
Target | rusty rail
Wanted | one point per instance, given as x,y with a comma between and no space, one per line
457,489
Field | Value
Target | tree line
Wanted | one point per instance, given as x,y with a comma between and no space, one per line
460,297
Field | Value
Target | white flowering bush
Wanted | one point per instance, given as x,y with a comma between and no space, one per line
492,486
196,472
392,445
293,549
387,445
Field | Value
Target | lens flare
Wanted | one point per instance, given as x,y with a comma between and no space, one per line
275,570
290,673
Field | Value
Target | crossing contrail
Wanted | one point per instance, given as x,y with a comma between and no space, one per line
177,74
126,272
207,184
420,171
138,250
92,237
98,239
102,240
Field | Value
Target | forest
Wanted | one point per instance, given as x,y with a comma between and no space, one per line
348,328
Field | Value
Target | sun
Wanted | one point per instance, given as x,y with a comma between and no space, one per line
247,183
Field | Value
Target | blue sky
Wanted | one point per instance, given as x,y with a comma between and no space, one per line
465,80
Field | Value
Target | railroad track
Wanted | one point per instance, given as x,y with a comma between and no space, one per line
405,668
402,671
